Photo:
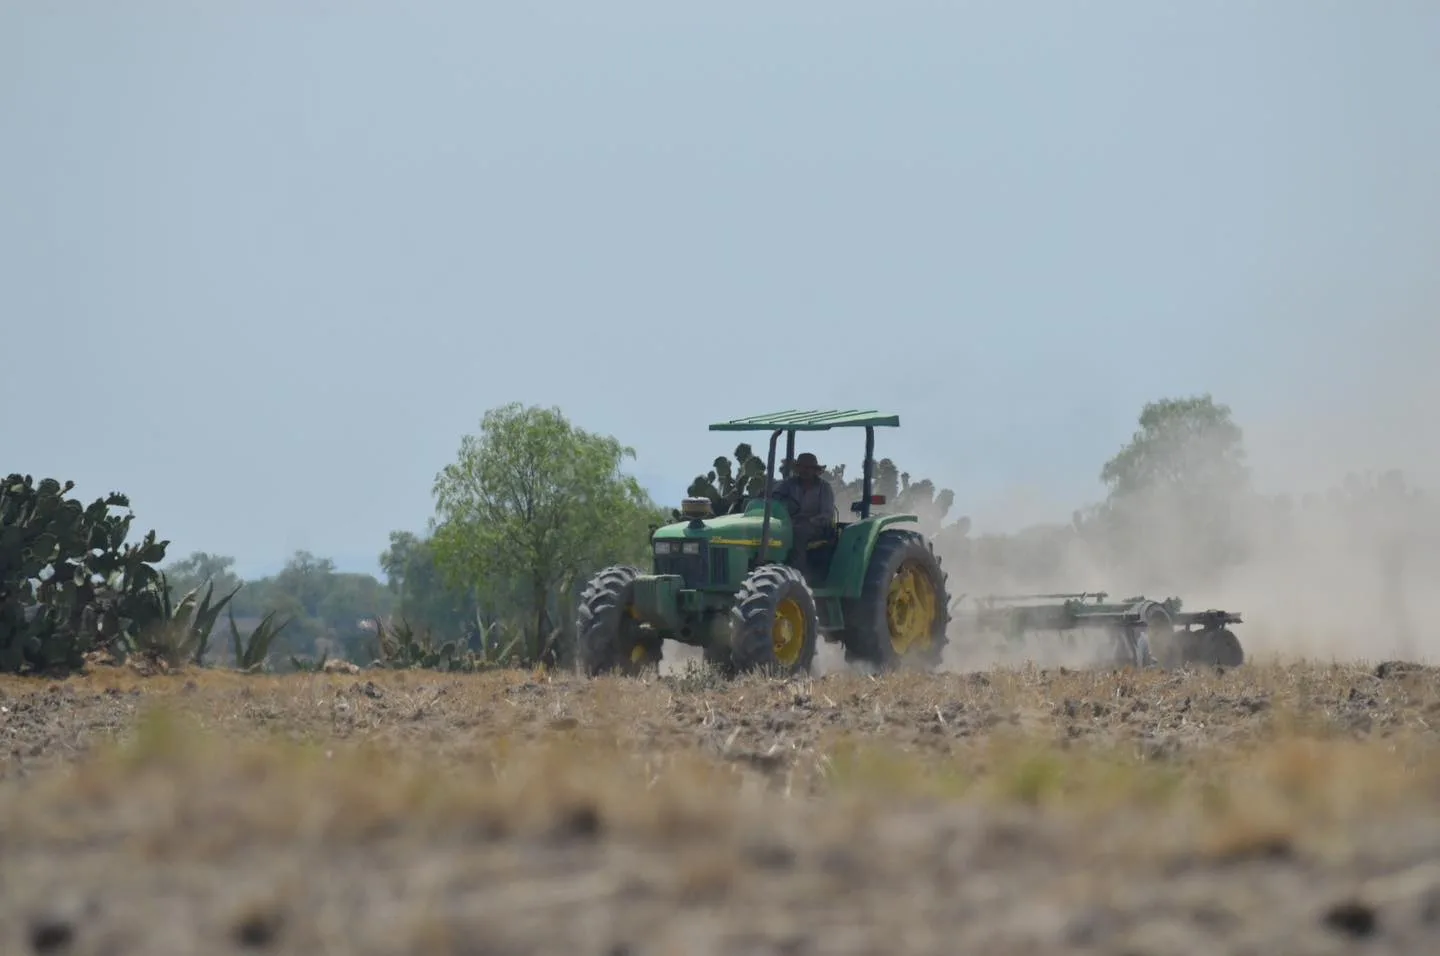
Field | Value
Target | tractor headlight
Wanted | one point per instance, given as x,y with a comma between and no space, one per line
691,547
664,547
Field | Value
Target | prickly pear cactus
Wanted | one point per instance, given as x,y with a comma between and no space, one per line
727,486
68,582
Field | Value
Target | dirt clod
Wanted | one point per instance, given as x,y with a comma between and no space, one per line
49,934
1352,918
257,929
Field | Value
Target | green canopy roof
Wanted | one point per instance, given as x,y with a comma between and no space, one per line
810,421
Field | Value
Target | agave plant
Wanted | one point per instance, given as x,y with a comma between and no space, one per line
251,654
401,646
506,654
306,665
182,635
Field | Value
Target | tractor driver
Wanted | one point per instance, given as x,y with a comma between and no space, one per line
811,503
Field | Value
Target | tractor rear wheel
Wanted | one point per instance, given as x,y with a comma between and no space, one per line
774,624
903,611
609,635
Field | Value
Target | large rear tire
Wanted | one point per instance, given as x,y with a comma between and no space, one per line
774,624
901,617
610,638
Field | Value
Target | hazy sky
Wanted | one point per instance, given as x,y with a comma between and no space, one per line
262,265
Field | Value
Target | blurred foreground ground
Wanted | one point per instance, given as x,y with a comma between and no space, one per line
1262,810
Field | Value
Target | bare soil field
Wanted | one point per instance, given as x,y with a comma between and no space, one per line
1267,809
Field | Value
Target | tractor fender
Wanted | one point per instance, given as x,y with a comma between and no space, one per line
853,551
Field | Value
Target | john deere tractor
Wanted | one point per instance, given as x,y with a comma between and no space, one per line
727,582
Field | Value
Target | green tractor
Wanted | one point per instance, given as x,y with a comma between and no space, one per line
726,582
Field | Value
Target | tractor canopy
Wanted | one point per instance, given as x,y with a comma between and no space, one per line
813,420
808,421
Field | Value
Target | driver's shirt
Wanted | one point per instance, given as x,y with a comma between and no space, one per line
815,501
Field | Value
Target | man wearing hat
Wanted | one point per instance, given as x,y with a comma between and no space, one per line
811,503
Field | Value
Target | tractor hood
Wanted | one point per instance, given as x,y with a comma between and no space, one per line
733,530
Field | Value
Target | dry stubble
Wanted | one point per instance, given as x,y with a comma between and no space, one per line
1018,811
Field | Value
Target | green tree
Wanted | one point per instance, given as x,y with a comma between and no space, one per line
1186,445
308,579
350,600
423,597
534,500
325,608
188,573
396,560
1175,489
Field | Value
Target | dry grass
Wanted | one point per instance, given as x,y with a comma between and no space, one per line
696,791
1279,746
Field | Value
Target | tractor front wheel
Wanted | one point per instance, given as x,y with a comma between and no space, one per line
774,624
610,638
903,610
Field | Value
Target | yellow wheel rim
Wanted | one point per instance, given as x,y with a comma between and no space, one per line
910,610
788,632
638,654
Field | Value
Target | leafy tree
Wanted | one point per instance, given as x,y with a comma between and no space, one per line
1186,445
1174,491
349,600
318,604
423,597
536,500
308,579
396,560
187,574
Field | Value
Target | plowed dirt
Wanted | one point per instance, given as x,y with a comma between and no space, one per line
1265,809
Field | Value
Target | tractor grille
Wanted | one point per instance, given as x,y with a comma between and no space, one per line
719,566
691,567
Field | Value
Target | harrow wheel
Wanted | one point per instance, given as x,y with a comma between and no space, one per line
609,635
1215,646
903,610
774,624
1162,641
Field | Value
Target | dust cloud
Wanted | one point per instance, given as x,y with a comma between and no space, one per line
1330,551
1339,560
